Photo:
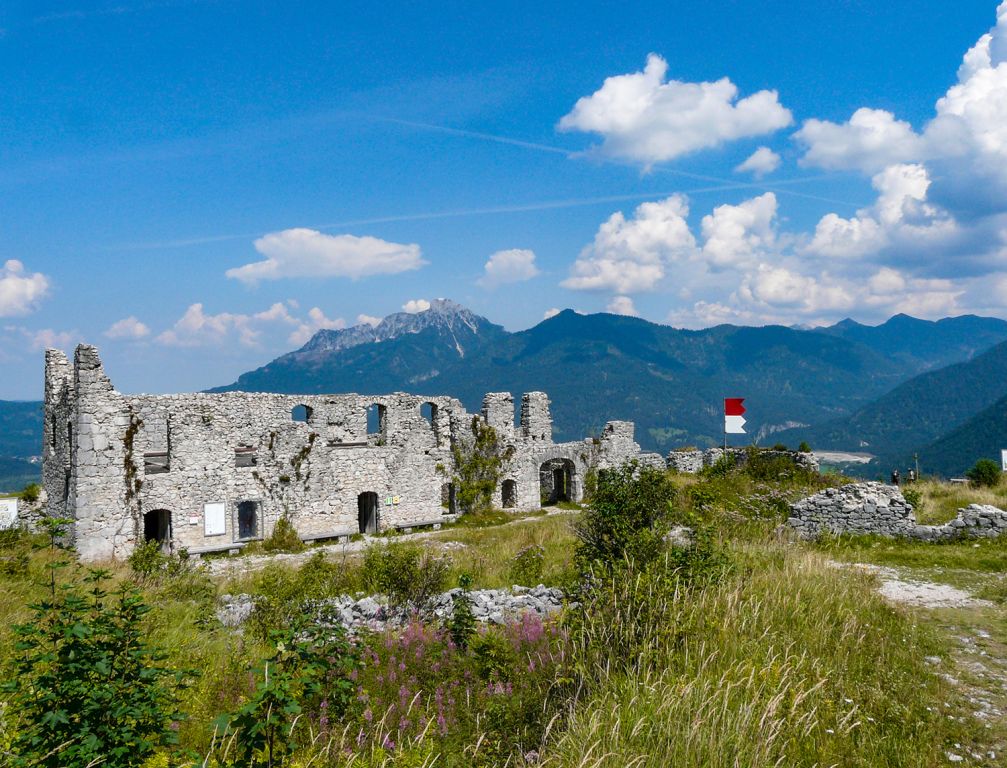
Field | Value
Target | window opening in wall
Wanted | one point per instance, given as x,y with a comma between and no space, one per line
66,484
155,462
52,437
429,412
245,456
509,494
157,527
448,502
69,435
301,413
377,421
367,512
248,519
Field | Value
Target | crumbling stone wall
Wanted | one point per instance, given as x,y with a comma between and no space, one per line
213,471
694,460
876,508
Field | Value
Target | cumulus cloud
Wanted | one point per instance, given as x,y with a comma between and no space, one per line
416,305
511,266
629,256
309,253
127,328
761,162
47,338
316,321
643,118
196,328
901,215
622,305
735,234
550,313
870,140
370,320
20,291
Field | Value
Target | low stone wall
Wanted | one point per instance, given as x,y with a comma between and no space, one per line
694,460
496,606
876,508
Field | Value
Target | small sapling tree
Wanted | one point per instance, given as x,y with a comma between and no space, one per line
985,473
477,467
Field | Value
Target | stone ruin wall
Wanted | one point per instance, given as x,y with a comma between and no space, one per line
693,461
876,508
103,449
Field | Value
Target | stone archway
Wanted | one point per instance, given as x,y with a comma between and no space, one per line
558,481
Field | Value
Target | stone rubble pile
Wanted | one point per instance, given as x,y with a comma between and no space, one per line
497,606
876,508
693,460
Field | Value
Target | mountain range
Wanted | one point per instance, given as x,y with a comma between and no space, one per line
901,386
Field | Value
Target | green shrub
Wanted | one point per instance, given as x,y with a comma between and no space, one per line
627,518
303,684
526,565
985,473
804,447
406,574
913,496
30,493
462,624
284,538
85,686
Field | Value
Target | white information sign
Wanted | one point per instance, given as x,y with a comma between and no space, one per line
214,519
8,513
1003,459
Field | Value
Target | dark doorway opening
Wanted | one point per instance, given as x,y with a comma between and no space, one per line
509,490
448,502
556,478
248,519
157,527
367,512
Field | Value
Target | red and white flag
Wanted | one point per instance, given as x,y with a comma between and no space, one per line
734,419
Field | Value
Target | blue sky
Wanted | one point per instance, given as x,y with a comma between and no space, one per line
198,186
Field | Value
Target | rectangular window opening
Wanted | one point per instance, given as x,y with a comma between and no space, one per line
245,456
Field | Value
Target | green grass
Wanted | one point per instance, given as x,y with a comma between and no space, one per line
941,501
790,662
982,555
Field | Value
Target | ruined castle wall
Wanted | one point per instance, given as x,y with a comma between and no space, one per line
212,471
879,509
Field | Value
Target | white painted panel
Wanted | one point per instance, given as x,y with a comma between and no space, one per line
214,519
8,513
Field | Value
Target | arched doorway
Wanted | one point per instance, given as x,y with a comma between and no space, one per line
157,527
509,493
367,512
558,481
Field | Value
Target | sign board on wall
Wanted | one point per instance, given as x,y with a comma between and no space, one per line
8,513
1003,460
214,519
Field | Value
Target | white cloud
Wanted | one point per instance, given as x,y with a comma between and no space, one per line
368,320
47,338
900,216
316,321
20,292
416,305
735,234
309,253
869,141
127,328
550,313
511,266
645,119
622,305
196,328
629,256
761,162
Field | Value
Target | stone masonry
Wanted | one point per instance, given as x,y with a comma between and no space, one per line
693,460
876,508
209,472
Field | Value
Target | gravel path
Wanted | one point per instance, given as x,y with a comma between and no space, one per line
924,594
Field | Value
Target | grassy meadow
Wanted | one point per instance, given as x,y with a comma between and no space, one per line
747,649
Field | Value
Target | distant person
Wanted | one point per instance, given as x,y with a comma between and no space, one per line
895,477
912,475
